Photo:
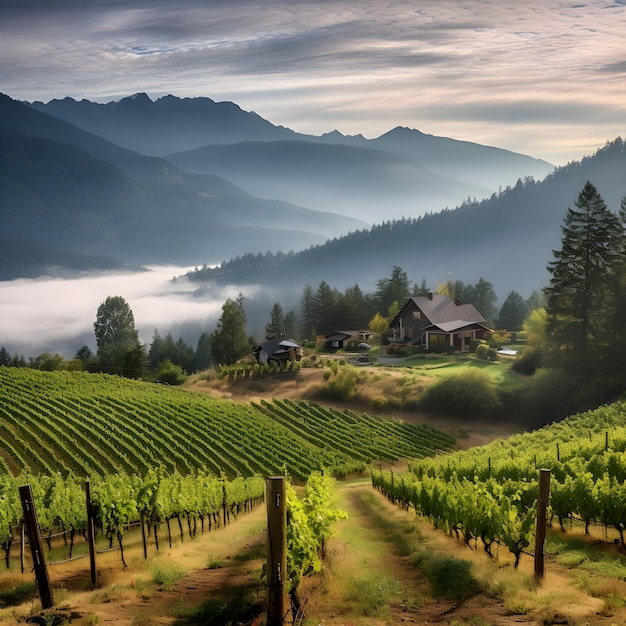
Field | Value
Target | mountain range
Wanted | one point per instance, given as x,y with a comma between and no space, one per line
506,239
401,173
191,181
70,191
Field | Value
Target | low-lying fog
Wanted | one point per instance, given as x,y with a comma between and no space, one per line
57,314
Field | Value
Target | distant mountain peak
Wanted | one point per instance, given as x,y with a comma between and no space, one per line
139,97
402,131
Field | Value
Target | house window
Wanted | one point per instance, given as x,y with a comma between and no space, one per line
417,315
406,333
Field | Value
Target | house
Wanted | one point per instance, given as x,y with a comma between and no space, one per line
278,350
436,323
346,339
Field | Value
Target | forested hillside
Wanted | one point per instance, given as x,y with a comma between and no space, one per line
507,239
67,191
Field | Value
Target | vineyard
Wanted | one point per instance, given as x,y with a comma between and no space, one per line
96,425
163,454
487,496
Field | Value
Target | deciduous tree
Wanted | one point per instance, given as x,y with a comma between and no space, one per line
119,350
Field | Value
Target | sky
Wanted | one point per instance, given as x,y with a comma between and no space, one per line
545,78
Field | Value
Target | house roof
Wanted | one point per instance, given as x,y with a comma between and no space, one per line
277,346
441,310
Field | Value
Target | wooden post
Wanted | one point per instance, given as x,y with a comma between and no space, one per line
143,535
224,501
91,535
22,545
276,550
36,546
540,538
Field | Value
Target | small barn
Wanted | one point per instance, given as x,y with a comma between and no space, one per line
278,351
346,339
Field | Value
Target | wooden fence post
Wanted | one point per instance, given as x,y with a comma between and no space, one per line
540,537
36,546
276,549
91,535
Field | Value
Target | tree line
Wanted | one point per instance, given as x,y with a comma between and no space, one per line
319,311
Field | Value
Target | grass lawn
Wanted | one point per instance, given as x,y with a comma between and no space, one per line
442,366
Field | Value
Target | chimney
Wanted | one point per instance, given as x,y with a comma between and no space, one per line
457,301
430,295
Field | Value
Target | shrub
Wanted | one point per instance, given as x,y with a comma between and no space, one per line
491,354
470,393
169,374
481,351
527,361
550,395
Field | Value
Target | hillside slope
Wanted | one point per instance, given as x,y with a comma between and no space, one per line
98,424
65,189
507,239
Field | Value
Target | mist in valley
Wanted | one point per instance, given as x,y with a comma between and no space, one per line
57,314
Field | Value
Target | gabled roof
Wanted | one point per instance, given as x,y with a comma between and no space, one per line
277,346
441,310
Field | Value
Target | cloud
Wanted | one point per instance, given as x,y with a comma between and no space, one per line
361,67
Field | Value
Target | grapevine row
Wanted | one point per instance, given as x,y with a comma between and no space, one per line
488,494
93,425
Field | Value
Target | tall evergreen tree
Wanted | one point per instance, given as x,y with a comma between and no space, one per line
229,341
392,289
203,353
275,328
291,325
580,285
307,313
513,312
5,357
483,297
616,363
325,308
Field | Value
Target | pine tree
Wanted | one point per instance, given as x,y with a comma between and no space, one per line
580,286
513,312
275,328
229,341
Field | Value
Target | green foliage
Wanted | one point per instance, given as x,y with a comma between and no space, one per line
119,350
451,578
488,494
309,526
527,361
470,393
551,394
342,384
165,575
481,351
275,328
580,301
513,312
95,425
169,374
229,341
372,595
